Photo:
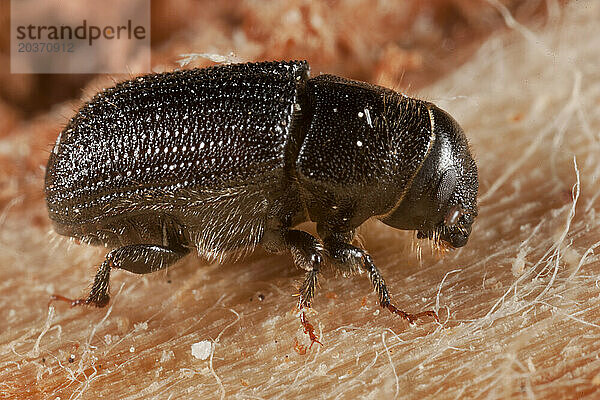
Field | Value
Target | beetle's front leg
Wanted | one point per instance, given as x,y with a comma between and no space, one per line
347,256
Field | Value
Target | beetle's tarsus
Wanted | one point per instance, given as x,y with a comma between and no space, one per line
72,302
309,329
102,302
411,318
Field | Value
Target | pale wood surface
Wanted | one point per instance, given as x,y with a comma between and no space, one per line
519,304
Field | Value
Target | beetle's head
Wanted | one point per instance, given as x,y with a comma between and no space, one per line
441,202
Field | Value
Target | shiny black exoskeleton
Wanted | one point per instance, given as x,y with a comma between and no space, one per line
225,158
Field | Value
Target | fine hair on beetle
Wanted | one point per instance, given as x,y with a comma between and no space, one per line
222,159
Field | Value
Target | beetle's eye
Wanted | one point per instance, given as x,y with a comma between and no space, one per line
453,215
446,187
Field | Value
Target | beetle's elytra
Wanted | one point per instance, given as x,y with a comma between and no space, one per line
225,158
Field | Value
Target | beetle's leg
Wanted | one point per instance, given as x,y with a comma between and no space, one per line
136,258
307,252
347,255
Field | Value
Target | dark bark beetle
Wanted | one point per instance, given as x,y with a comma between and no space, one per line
222,159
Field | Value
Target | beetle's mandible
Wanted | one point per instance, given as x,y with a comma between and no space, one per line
222,159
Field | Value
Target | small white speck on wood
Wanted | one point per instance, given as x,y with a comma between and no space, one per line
202,350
